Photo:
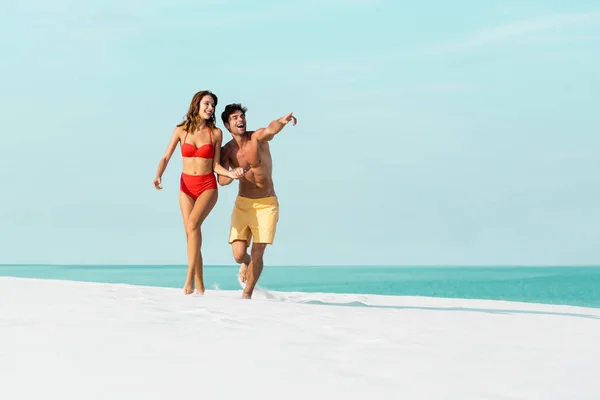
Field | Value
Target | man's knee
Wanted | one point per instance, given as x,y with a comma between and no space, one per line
239,251
239,257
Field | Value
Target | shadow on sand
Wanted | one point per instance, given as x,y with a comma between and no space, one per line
463,309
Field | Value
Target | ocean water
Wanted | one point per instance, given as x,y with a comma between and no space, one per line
578,286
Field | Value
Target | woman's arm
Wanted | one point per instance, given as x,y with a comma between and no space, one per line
217,167
224,180
164,160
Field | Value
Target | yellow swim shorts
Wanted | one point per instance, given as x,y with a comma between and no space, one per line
254,218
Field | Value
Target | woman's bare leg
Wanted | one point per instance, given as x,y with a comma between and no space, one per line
186,203
202,207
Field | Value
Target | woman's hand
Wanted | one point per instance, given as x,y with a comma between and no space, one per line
156,182
236,173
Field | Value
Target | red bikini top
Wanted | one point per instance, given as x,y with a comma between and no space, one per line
204,151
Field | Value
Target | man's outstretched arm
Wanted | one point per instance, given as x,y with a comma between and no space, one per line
268,133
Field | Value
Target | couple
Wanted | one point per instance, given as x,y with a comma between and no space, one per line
256,210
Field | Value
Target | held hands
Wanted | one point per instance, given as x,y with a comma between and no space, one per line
236,173
287,118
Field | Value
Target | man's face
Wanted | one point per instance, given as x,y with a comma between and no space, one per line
237,123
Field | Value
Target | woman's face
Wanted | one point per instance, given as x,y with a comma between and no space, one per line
207,107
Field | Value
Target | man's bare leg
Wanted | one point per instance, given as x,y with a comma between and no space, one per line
254,269
240,253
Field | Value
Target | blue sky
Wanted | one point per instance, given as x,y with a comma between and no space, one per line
429,132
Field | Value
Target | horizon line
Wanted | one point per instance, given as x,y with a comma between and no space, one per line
307,266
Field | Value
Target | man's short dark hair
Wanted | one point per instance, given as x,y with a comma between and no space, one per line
230,109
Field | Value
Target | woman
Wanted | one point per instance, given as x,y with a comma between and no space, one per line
200,143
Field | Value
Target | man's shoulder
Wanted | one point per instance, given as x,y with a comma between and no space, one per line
226,150
255,136
227,145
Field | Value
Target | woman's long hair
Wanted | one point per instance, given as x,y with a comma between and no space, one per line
192,119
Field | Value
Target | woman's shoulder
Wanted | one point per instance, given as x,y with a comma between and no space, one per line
179,131
217,132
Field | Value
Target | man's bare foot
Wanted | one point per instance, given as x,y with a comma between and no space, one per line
200,290
243,272
246,296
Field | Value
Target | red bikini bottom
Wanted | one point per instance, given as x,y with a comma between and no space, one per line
194,185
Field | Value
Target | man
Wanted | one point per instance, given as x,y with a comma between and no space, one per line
256,210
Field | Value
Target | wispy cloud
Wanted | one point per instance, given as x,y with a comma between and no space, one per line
313,68
574,156
80,21
517,31
285,12
442,87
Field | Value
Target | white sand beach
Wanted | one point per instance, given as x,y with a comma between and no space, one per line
73,340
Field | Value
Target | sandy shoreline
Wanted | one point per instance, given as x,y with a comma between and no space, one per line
91,340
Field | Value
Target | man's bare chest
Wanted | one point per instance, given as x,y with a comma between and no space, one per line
249,157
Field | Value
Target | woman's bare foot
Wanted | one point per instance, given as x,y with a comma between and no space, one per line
199,282
188,288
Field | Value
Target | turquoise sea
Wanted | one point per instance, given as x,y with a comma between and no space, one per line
579,286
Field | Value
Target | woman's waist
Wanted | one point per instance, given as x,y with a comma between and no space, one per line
203,175
192,167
